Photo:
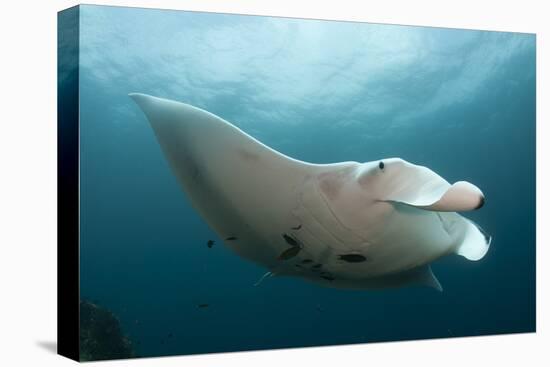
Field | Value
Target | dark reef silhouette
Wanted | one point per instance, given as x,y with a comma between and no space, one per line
101,335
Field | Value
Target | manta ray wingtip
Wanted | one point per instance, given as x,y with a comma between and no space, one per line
139,97
133,94
144,101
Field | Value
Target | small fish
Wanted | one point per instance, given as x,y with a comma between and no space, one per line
210,243
170,335
203,305
297,227
316,266
352,258
265,276
231,238
307,261
289,253
291,241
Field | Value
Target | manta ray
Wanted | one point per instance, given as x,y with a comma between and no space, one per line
352,225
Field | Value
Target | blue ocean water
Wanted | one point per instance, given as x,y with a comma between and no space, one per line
460,102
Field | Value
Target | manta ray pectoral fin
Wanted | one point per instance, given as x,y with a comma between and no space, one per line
422,188
419,276
423,276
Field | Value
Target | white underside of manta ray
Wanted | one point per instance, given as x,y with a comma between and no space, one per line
348,225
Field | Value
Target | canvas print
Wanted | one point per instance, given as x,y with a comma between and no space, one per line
251,182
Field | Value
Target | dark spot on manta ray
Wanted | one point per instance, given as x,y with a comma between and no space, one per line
195,173
291,241
231,238
307,261
203,305
481,202
316,266
297,227
249,155
210,243
352,258
289,253
381,165
328,277
331,183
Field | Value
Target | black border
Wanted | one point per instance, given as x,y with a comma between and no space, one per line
68,182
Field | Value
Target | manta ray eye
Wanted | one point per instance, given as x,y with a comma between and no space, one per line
381,165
